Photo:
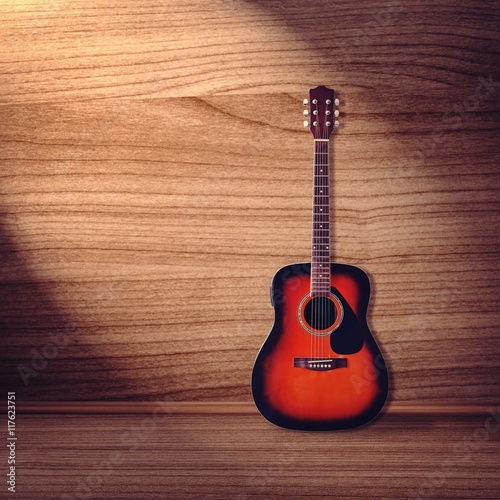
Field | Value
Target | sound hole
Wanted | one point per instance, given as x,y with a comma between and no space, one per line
320,313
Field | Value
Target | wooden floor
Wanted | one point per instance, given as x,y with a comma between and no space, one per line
243,457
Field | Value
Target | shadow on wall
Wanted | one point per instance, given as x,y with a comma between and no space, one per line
39,342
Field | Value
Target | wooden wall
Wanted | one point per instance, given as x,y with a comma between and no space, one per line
155,175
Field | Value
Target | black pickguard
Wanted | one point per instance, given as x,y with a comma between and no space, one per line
348,338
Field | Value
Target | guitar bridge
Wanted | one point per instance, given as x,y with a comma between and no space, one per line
320,364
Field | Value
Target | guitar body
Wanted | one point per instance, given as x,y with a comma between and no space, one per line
320,367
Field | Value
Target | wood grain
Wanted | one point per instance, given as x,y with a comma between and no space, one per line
219,408
154,176
243,457
102,49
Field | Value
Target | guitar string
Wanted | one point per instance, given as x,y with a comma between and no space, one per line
319,171
313,311
315,233
322,252
320,276
314,245
327,231
323,301
316,229
323,216
311,340
318,240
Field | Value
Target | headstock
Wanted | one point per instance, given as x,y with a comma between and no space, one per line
321,112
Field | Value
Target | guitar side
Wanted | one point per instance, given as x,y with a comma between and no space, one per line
298,380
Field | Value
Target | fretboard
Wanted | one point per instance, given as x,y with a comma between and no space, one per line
320,268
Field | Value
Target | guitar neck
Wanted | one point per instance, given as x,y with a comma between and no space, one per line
320,261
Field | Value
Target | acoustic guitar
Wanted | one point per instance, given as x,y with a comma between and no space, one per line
320,367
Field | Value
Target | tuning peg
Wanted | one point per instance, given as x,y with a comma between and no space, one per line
306,112
306,123
336,124
336,113
305,102
336,102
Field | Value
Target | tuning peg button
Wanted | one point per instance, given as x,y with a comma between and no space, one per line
306,123
336,113
305,102
337,102
336,124
306,112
